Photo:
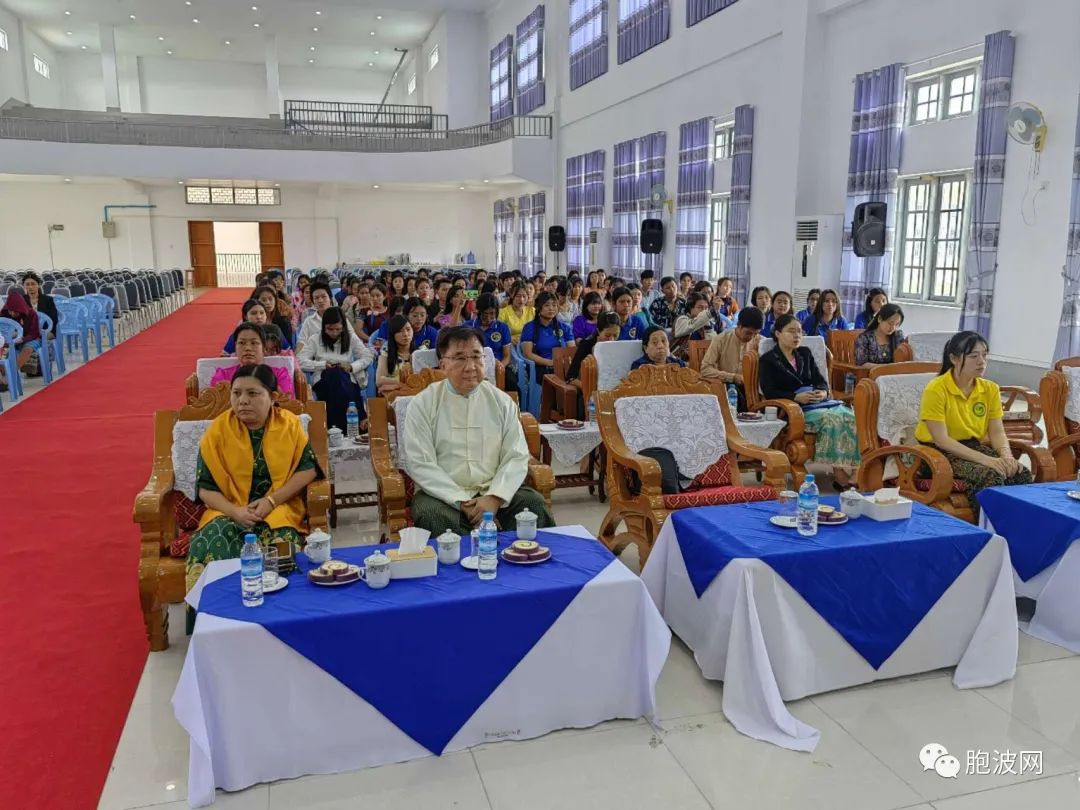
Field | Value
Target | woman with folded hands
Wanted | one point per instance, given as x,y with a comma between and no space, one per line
788,371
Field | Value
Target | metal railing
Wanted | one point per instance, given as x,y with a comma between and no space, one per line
348,118
238,269
141,133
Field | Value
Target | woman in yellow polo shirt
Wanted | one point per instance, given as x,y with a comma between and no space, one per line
517,312
961,416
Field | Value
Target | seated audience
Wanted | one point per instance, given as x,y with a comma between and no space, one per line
338,361
496,333
686,284
761,297
811,304
632,325
639,297
249,340
592,306
18,309
961,415
576,291
322,300
723,359
438,301
781,305
668,306
543,334
397,285
877,345
298,301
518,312
377,314
460,473
826,317
657,351
268,297
696,324
647,279
424,334
875,300
454,312
39,300
356,304
568,310
251,311
274,339
788,371
607,328
254,463
382,334
725,292
396,352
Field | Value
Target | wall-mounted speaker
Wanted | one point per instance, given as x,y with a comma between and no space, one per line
652,235
557,238
868,229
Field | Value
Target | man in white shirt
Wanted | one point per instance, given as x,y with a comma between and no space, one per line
322,299
464,446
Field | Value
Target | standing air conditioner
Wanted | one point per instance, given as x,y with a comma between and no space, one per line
816,257
600,249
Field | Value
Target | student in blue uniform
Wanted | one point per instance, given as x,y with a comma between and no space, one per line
826,316
424,334
496,333
657,350
781,305
811,304
544,333
875,300
632,324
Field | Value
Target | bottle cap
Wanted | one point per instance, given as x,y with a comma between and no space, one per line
810,478
488,516
250,538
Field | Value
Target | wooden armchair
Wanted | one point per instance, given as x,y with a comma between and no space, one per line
165,514
842,346
888,402
606,367
1062,419
559,398
636,499
697,351
206,366
395,488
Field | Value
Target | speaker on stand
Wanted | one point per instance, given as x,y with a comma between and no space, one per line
868,229
557,242
652,236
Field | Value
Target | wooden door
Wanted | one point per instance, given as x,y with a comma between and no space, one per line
203,255
272,246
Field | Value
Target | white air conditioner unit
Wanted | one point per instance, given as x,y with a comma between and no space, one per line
815,260
600,249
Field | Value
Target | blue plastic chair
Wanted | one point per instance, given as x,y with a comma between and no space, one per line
74,325
95,317
106,315
528,393
48,350
12,333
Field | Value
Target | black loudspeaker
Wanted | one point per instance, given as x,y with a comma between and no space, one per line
868,229
557,238
652,236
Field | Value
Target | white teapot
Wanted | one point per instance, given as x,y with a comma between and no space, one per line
318,547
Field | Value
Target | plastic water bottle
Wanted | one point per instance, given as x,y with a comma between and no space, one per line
806,514
488,546
592,412
733,400
849,384
352,419
251,565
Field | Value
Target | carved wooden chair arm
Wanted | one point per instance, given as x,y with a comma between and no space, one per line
796,422
647,469
1032,398
318,503
1043,466
541,478
776,464
871,473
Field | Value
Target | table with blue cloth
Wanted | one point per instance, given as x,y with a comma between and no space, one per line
777,616
1041,524
328,679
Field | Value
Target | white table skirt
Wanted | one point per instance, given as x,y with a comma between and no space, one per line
754,632
257,711
1056,591
571,446
761,434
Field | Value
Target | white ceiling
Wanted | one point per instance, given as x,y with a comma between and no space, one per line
344,38
486,185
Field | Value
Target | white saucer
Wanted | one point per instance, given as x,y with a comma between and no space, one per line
282,582
1074,494
783,521
470,562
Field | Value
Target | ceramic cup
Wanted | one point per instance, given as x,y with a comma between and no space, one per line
771,413
851,503
376,575
449,548
335,436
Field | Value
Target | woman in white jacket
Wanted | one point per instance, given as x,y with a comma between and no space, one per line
338,362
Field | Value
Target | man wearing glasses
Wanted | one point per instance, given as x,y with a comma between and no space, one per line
464,446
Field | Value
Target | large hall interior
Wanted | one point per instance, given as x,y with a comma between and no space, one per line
740,347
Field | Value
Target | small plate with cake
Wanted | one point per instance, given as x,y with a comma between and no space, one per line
333,573
526,552
830,516
570,424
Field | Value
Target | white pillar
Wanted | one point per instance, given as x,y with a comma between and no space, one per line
109,73
273,78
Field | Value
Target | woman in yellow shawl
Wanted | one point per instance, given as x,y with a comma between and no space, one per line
254,462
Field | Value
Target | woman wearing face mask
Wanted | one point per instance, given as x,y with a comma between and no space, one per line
826,316
338,361
788,371
877,345
657,351
961,415
544,333
781,305
875,300
249,340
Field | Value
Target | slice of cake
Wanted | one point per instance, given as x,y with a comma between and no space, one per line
320,575
350,574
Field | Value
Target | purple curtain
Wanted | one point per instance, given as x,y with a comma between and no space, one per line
584,206
692,201
877,137
991,137
643,24
529,60
502,93
588,41
737,251
1068,341
698,10
539,240
524,233
504,226
639,167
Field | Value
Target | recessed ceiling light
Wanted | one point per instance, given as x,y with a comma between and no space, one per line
315,29
256,25
318,13
67,13
187,2
161,39
228,42
169,53
277,185
68,33
487,181
68,180
378,16
461,188
179,182
83,47
311,61
132,16
254,8
372,33
376,53
375,186
196,20
312,47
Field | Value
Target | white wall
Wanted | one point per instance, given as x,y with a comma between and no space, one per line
11,75
236,237
332,84
84,88
194,87
43,92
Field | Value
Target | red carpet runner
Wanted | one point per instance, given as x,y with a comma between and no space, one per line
73,644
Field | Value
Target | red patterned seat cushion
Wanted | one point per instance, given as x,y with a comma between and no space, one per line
923,485
717,475
719,496
187,513
179,547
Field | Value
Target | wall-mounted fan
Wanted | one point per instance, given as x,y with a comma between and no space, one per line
1027,125
659,197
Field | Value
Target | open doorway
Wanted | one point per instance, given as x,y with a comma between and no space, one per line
237,253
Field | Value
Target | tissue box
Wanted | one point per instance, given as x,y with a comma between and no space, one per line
411,566
900,510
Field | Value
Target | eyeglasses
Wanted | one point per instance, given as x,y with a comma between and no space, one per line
464,359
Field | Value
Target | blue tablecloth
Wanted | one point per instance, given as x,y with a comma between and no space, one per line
425,652
1038,521
872,582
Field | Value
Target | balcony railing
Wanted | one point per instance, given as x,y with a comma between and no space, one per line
346,118
54,127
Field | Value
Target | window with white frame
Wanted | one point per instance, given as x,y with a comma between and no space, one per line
41,67
412,84
718,235
950,93
228,195
588,41
3,40
724,141
932,237
433,58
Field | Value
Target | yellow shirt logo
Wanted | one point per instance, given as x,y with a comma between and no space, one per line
979,409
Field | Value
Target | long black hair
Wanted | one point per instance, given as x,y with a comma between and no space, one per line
815,319
605,320
592,297
961,345
887,311
247,326
249,305
397,323
331,316
542,299
263,373
870,296
754,294
448,307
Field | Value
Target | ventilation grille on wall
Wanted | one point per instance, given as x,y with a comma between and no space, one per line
806,230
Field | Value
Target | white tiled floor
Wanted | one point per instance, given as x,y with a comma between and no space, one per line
691,758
